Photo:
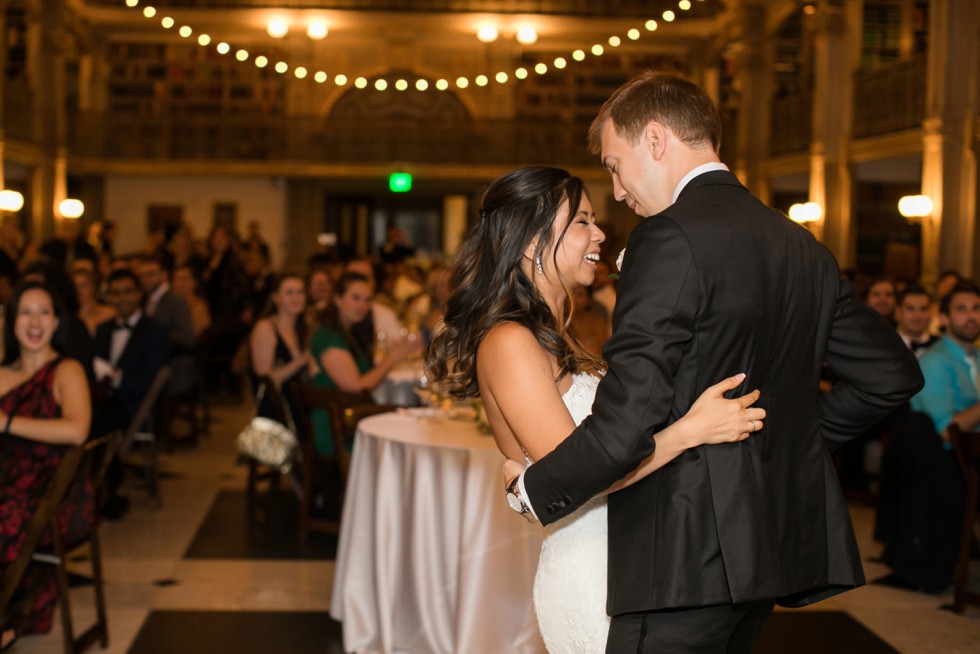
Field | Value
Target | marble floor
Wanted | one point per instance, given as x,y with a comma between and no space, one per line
148,572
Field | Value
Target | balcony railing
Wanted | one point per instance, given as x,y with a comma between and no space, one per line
890,99
313,139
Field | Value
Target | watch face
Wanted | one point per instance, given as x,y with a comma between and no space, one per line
515,502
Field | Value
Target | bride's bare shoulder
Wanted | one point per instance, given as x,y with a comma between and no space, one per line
508,339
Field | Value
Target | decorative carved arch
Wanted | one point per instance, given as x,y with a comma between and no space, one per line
358,104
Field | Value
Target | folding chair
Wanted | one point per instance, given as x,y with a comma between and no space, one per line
45,517
344,410
140,431
966,444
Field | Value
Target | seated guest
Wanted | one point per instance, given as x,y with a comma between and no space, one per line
950,368
44,407
920,518
319,288
68,245
171,312
880,297
913,313
342,359
383,319
278,342
258,271
184,284
91,310
130,350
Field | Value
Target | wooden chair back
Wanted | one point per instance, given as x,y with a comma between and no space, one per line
966,444
141,431
344,409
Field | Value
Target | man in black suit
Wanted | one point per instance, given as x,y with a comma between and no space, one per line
714,283
172,313
131,348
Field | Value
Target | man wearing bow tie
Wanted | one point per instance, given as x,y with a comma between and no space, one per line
131,348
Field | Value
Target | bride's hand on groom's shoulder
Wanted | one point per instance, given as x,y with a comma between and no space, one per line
713,419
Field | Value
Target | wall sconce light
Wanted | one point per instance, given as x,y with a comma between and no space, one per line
71,208
317,30
277,28
527,35
487,33
11,201
806,212
915,207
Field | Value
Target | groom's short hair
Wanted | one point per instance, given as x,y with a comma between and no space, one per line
671,100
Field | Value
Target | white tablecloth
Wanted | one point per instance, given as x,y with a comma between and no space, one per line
431,560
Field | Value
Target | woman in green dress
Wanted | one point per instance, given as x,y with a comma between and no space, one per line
344,361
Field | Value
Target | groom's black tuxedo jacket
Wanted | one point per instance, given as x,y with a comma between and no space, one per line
718,284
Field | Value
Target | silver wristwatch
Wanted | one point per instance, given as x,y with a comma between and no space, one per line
517,502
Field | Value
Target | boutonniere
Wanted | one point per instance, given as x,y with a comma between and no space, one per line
619,264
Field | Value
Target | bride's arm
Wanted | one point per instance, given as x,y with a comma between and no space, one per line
711,420
519,393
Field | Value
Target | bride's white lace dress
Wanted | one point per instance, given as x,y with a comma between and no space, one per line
570,585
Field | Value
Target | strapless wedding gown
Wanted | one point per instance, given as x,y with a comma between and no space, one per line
570,584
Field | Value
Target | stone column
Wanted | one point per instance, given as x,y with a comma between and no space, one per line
949,163
752,54
48,37
831,184
454,223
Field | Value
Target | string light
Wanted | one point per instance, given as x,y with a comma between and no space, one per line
317,30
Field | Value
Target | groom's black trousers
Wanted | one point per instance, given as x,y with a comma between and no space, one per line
728,628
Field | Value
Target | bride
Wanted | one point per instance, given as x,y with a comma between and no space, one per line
506,340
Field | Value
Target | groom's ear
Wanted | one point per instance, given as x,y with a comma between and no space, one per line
655,137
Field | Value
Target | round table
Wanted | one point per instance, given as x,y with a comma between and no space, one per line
431,559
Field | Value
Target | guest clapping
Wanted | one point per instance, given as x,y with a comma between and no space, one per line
44,406
343,358
278,340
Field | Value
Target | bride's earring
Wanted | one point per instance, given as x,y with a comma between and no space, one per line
539,265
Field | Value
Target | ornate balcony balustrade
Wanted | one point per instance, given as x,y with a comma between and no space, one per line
791,124
890,99
314,140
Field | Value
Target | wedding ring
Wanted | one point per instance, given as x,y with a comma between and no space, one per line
753,424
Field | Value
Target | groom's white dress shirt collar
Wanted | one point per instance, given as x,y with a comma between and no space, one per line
700,170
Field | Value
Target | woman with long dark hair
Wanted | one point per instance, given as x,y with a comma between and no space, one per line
278,342
44,407
344,357
506,340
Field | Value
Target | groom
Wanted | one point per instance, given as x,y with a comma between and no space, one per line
715,283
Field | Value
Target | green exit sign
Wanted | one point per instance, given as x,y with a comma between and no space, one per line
400,182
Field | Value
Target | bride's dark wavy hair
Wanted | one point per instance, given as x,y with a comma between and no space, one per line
488,286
